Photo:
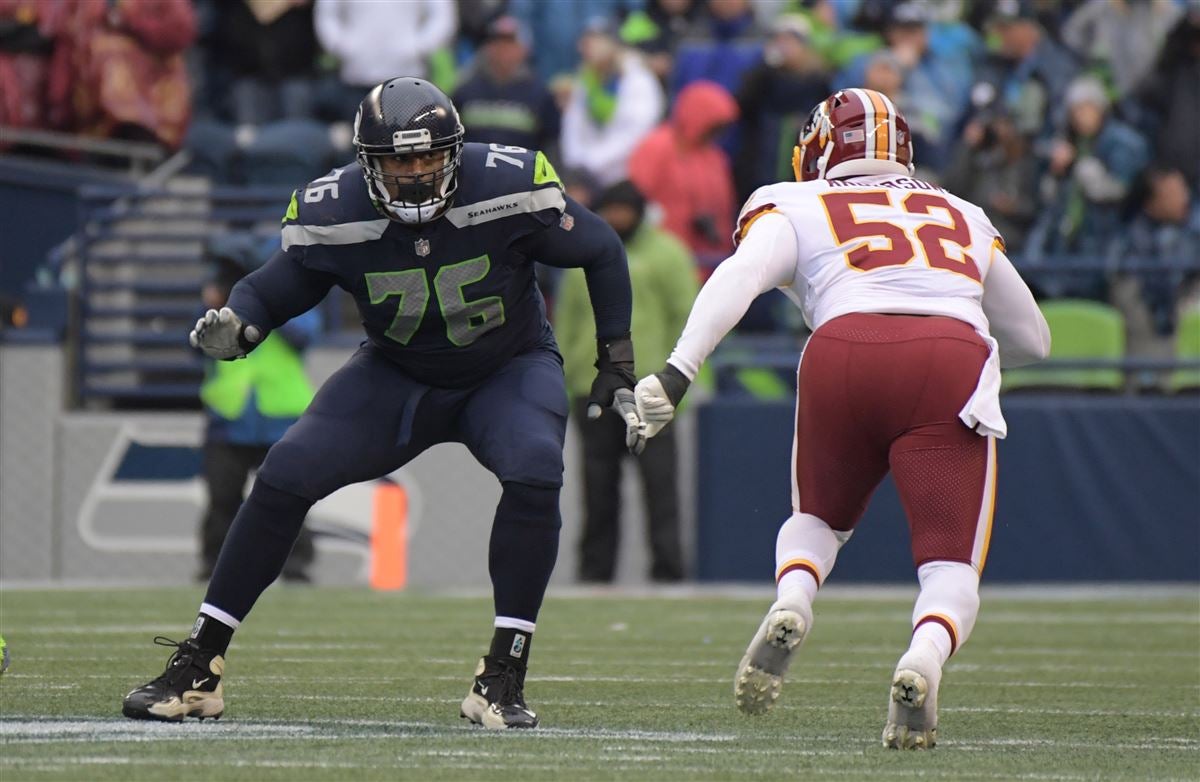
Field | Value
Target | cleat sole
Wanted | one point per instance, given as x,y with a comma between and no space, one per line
756,691
759,678
906,726
909,689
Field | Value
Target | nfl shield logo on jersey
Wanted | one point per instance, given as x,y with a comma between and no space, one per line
422,247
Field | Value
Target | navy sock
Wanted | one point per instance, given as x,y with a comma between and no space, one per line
256,548
523,548
211,635
511,645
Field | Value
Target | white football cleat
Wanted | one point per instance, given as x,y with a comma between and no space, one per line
912,705
760,673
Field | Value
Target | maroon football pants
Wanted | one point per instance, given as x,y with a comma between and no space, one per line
884,391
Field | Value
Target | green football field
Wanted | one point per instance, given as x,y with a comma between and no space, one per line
354,685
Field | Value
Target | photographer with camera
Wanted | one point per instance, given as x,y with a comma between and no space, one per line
993,167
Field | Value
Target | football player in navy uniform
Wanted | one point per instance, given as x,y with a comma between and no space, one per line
436,240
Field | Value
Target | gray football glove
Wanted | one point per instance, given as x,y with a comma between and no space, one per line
613,388
222,335
624,406
657,396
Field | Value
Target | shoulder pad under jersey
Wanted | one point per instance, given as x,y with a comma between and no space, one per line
335,209
497,181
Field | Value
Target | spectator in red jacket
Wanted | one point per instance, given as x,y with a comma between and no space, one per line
680,167
120,69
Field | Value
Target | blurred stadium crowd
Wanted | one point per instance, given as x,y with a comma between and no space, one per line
1073,123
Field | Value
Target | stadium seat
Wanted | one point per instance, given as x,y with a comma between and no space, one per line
213,149
1079,329
1187,348
287,152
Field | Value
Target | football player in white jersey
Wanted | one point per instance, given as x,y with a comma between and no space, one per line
914,308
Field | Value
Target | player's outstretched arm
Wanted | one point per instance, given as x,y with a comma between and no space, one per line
581,239
263,300
765,259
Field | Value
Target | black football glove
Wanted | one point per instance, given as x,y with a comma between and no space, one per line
613,388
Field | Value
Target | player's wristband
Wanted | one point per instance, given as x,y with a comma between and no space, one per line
615,356
674,383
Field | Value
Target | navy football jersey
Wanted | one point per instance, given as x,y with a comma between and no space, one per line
449,301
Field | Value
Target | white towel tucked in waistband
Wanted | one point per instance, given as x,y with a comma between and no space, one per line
982,410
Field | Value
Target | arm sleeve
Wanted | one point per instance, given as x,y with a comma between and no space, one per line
592,245
302,330
279,291
1013,316
765,259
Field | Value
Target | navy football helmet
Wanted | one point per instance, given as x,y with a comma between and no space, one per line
409,141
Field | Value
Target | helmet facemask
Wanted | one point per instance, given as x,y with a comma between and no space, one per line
421,196
811,155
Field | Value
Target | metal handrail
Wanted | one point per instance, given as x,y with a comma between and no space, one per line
140,151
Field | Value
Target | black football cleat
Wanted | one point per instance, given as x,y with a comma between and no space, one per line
497,697
189,687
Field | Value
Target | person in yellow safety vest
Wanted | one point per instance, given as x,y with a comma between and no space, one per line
249,403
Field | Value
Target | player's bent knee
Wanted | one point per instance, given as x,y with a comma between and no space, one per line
293,468
530,505
538,463
277,505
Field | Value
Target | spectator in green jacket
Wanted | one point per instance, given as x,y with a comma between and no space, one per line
664,279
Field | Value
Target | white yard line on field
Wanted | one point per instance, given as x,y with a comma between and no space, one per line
671,680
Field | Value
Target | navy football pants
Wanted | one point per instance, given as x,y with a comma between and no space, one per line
370,419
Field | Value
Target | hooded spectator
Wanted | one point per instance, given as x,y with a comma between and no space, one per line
681,168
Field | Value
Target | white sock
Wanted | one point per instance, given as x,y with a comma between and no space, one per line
946,608
221,616
512,623
805,551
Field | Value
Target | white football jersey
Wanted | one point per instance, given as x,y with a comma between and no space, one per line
884,243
